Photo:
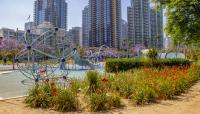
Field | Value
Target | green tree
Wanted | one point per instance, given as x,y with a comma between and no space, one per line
152,54
9,48
183,20
81,51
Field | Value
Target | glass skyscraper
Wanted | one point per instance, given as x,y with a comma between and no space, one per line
139,23
53,11
85,27
156,29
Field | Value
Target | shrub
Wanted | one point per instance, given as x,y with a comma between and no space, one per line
115,101
75,85
39,97
92,77
152,54
123,84
98,102
144,94
117,65
65,101
165,88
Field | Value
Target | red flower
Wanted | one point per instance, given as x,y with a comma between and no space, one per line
54,92
98,91
42,71
104,80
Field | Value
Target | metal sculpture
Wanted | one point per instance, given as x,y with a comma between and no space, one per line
46,57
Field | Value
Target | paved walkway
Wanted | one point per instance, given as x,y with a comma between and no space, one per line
7,67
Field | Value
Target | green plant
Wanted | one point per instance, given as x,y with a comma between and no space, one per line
152,54
65,101
165,88
123,84
144,94
75,85
39,97
92,77
98,102
117,65
115,101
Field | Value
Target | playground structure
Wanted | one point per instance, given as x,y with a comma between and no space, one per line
47,57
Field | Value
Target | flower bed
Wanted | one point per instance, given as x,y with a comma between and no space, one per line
103,92
150,84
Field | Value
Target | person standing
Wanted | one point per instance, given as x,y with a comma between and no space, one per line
4,60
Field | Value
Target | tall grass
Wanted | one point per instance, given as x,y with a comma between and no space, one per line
66,101
39,97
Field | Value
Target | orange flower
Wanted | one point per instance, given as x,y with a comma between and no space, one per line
98,91
104,80
54,92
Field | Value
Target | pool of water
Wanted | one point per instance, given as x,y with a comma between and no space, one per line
11,86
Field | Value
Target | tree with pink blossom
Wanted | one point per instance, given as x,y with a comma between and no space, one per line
9,48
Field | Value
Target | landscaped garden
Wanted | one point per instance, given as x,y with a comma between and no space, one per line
138,81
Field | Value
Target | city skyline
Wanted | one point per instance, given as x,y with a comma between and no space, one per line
14,14
105,23
53,11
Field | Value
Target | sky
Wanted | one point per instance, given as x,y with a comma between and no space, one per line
14,13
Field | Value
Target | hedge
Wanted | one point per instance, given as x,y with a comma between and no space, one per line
117,65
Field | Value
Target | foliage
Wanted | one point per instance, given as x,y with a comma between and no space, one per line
81,51
39,97
92,77
9,47
65,101
147,85
117,65
101,98
115,101
144,93
98,102
48,95
123,83
152,54
183,20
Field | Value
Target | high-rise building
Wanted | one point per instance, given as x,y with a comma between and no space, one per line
28,26
145,25
11,33
124,37
75,35
156,29
139,23
53,11
85,27
105,23
7,33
